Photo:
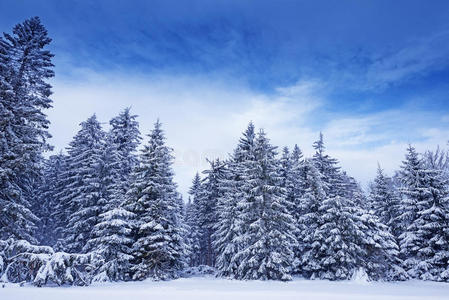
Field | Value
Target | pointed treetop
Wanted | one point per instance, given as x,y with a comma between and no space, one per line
319,145
297,153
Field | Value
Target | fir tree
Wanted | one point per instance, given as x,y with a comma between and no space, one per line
329,168
112,235
25,67
384,202
159,249
268,237
83,192
425,219
49,212
309,218
207,213
192,222
228,230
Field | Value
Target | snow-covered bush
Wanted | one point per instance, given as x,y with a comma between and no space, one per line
22,262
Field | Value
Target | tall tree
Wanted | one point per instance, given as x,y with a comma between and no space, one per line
49,211
112,235
25,67
268,235
83,195
159,248
384,201
207,213
425,218
193,236
228,228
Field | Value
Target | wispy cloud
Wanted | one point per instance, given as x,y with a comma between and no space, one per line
204,118
416,58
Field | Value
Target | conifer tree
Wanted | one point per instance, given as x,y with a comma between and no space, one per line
308,221
25,67
384,201
207,210
49,212
425,217
192,222
228,229
159,249
268,237
112,235
83,192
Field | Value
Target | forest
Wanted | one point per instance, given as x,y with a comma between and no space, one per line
107,208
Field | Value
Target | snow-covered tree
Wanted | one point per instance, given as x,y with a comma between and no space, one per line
309,217
384,201
25,67
83,195
191,219
425,217
159,249
112,235
267,239
228,230
207,214
292,171
125,137
328,167
50,213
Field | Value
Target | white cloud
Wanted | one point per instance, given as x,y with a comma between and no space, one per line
417,57
204,118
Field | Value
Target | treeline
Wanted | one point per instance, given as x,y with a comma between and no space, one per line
101,211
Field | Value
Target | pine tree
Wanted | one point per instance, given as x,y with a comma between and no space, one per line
125,135
414,191
159,249
314,194
192,222
329,168
207,213
292,169
384,202
268,237
226,238
82,196
112,235
425,219
25,67
49,213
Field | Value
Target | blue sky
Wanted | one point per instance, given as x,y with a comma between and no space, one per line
372,75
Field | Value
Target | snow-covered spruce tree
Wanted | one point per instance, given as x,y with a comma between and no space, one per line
25,67
413,191
159,249
268,237
207,210
50,213
228,230
384,201
314,194
340,236
381,261
328,167
292,170
424,242
191,219
125,136
112,235
83,185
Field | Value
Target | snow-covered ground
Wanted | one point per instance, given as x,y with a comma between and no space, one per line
209,288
